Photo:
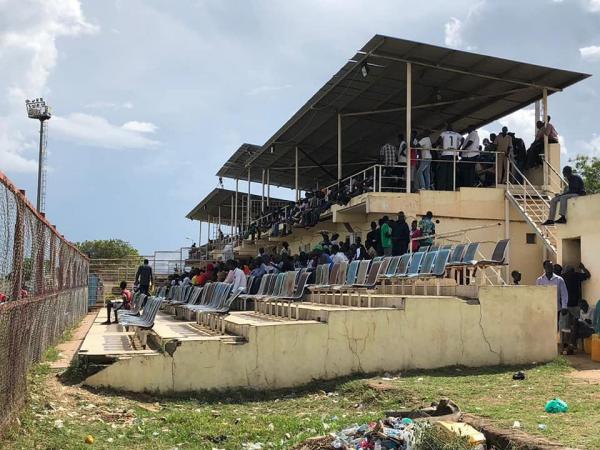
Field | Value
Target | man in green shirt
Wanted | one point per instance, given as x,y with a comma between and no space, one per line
386,236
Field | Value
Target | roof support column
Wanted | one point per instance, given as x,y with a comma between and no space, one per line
219,229
538,116
249,212
339,130
296,174
231,216
545,166
268,188
408,124
207,237
262,196
199,234
235,211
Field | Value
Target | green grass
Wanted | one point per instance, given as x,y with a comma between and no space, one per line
284,418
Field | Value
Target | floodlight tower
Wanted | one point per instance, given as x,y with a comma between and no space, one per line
37,109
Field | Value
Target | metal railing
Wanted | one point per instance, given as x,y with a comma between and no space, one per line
465,238
556,182
532,203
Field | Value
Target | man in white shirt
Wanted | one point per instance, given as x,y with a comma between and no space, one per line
337,255
236,276
423,175
468,159
450,141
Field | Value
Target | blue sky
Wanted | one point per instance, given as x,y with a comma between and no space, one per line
151,97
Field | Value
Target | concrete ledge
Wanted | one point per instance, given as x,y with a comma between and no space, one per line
507,325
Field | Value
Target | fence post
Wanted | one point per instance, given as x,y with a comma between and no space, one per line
38,269
17,262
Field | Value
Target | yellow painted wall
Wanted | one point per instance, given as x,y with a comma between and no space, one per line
466,208
510,325
583,216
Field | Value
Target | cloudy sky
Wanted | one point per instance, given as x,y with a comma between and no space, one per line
151,97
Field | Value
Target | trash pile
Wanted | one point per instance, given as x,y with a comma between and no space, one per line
405,430
390,433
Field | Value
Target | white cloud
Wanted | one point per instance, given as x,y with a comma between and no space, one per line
90,130
109,105
591,146
28,53
12,146
593,5
140,127
591,53
454,29
264,89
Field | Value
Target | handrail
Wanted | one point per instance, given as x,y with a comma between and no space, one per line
531,209
558,174
456,232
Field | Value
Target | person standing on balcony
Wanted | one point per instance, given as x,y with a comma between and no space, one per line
143,277
423,174
402,161
386,236
414,162
504,145
574,189
388,157
469,158
519,156
450,141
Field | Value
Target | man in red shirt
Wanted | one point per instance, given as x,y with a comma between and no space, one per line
115,305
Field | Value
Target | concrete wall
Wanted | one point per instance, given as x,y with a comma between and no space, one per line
509,325
579,241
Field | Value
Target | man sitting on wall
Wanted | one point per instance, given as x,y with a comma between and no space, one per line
115,305
574,189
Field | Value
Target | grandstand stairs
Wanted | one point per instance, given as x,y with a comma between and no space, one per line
533,203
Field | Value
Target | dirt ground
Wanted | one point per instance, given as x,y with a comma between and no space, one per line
585,368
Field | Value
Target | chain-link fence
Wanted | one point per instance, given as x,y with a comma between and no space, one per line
43,292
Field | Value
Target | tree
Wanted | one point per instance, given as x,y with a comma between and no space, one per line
107,249
589,169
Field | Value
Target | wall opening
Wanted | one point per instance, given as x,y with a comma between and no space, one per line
571,252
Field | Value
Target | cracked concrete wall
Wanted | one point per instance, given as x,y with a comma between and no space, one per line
510,325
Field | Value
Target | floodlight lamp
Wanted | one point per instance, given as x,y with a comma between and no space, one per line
364,70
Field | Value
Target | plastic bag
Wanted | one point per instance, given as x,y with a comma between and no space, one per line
557,405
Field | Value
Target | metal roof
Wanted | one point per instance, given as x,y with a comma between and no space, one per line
235,166
448,86
224,198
